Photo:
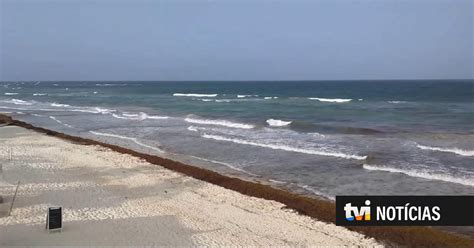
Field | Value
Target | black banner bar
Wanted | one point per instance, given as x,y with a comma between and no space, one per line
405,210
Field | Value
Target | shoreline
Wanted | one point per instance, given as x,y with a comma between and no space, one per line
319,209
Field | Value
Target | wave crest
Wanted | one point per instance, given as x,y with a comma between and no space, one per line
278,123
422,174
20,102
134,140
140,116
284,147
60,105
219,123
195,95
451,150
60,122
337,100
244,96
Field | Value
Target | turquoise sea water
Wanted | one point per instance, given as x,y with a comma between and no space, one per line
324,137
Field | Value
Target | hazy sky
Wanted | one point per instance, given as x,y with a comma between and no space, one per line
236,40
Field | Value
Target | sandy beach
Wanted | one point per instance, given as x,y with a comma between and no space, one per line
116,199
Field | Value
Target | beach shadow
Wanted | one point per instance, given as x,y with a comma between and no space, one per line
139,231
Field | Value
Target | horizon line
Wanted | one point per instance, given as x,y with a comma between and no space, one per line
269,80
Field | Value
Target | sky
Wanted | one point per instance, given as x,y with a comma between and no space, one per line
236,40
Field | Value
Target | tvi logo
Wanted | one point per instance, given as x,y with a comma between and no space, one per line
354,212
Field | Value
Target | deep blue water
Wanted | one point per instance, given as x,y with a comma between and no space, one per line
324,137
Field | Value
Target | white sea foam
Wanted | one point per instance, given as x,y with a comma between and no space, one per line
277,181
135,140
206,100
140,116
317,192
195,95
10,93
102,110
337,100
226,164
94,110
397,101
156,117
122,117
192,129
285,147
10,108
60,122
103,85
278,123
219,123
39,94
270,97
243,96
457,151
422,174
59,105
19,102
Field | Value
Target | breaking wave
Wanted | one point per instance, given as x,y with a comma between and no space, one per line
278,123
39,94
10,93
140,116
103,85
94,110
134,140
59,105
19,102
195,95
270,97
452,150
285,148
243,96
60,122
338,100
219,123
397,101
316,192
192,129
422,174
225,164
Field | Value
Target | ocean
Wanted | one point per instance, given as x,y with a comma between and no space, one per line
320,138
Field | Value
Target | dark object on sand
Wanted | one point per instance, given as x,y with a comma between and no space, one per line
54,219
14,197
1,199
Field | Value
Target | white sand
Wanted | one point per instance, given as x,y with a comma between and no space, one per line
115,199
